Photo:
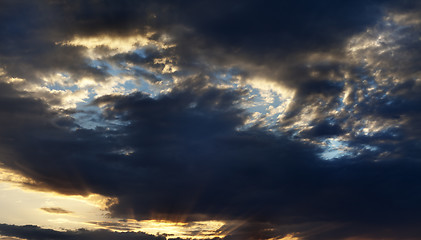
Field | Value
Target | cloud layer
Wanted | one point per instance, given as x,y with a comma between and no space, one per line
226,110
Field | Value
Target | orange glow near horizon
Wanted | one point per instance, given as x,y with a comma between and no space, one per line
193,230
23,206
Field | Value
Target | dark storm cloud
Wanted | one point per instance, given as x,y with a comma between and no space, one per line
189,162
271,39
186,143
28,35
323,129
28,127
264,34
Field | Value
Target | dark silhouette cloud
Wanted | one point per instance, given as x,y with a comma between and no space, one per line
32,232
324,129
56,210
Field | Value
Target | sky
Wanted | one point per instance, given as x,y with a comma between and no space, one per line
214,120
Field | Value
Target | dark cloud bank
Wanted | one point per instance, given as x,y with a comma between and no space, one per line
187,159
36,233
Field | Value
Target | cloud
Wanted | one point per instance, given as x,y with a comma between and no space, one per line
56,210
233,37
31,232
188,162
184,143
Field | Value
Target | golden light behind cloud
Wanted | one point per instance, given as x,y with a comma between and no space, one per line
56,211
115,44
21,206
191,230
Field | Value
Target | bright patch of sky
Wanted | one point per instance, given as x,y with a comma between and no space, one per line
190,230
21,206
335,148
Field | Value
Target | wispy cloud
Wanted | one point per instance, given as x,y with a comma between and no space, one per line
56,210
